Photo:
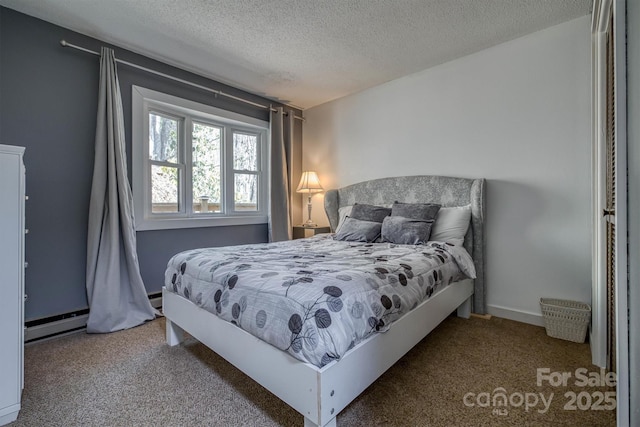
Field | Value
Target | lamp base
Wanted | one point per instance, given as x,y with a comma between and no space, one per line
309,223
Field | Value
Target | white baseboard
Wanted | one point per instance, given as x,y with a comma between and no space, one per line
54,328
156,302
65,325
517,315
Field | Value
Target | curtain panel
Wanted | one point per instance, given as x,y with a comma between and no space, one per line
280,173
115,290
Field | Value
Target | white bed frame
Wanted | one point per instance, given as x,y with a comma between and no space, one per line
319,394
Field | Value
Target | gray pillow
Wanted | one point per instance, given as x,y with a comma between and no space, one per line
355,230
422,211
366,212
405,231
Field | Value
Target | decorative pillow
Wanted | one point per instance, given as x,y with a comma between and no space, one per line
405,231
451,224
422,211
355,230
343,212
373,213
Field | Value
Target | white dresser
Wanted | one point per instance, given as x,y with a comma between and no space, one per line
12,231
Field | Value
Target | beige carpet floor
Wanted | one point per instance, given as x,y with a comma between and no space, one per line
132,378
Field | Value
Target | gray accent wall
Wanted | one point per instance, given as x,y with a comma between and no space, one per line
48,100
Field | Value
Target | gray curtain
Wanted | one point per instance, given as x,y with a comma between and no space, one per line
116,293
280,170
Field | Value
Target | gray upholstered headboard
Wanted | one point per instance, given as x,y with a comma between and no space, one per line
447,191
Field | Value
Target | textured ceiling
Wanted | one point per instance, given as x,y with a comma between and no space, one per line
304,52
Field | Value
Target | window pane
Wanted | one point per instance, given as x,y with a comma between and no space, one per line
163,138
245,152
164,189
246,192
205,158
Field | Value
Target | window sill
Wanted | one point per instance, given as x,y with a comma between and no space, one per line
173,223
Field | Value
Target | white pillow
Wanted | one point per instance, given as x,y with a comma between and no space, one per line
451,224
342,214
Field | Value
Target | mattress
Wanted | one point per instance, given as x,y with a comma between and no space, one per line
315,298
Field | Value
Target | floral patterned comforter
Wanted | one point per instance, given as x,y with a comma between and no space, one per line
315,298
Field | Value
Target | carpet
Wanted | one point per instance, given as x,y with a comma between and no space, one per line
453,377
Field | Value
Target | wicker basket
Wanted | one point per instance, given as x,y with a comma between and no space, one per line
567,320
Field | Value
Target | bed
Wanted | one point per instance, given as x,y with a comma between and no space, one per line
319,386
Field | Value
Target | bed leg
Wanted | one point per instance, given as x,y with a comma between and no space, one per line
309,423
464,310
175,334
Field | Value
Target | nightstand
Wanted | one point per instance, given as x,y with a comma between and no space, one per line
300,232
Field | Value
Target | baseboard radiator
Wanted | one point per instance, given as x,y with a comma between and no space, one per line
67,323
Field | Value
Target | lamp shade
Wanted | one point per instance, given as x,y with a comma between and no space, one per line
309,183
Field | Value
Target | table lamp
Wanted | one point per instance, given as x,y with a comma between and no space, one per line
309,183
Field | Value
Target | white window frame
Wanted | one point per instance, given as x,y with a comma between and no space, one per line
147,100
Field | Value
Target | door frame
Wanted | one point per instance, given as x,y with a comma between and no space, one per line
602,10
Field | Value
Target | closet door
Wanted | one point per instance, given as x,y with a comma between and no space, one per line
609,210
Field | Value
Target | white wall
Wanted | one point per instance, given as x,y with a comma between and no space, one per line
517,114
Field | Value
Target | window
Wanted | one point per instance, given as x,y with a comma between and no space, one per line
195,165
